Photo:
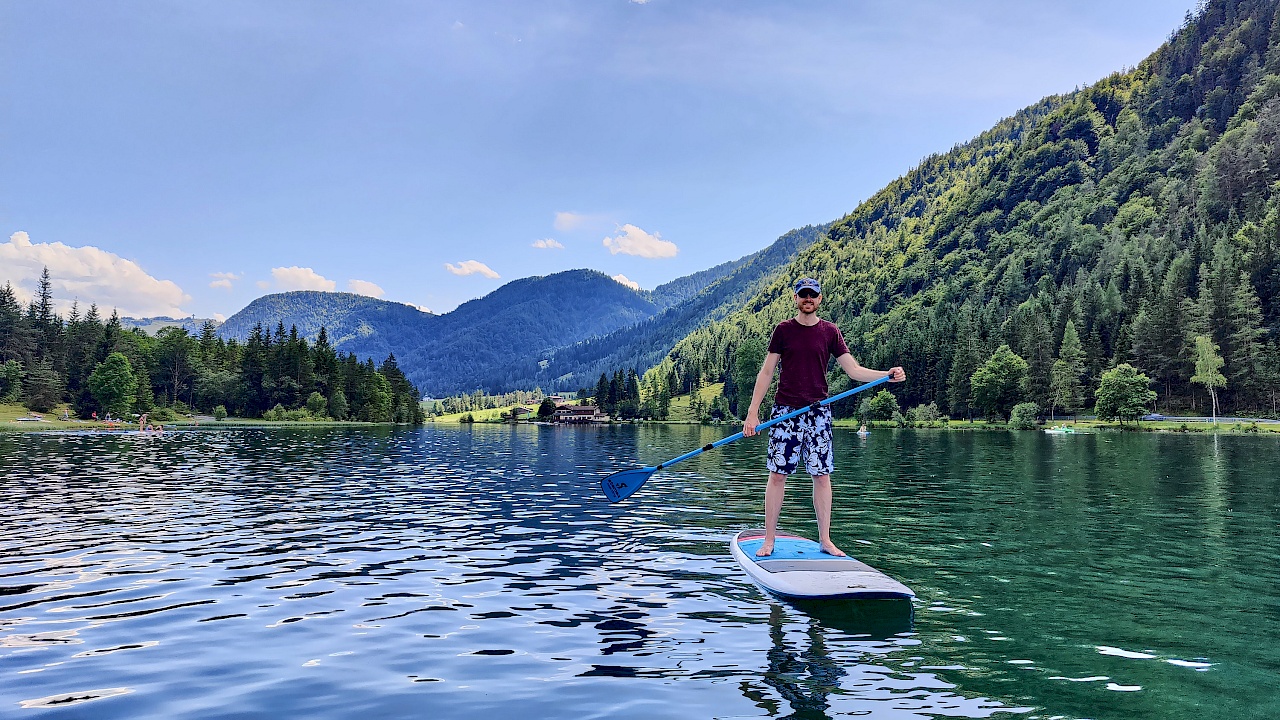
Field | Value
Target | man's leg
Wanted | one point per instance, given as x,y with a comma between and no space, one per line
773,493
822,509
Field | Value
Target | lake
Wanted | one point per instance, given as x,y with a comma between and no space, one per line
478,572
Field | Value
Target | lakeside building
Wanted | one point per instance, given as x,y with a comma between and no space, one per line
580,414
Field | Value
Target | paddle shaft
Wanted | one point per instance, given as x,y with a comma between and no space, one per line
775,421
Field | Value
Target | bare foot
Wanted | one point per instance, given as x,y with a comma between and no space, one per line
766,549
831,549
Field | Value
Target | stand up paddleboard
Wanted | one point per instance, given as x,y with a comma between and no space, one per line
798,569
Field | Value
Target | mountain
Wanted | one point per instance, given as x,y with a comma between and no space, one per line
153,325
520,319
443,354
1136,214
679,290
691,302
558,332
369,327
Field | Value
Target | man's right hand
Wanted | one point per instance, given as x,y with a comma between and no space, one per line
749,424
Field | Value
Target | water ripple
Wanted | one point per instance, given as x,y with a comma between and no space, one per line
468,572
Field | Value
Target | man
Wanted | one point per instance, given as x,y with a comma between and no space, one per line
803,345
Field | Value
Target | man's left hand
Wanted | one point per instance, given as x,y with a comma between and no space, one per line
897,374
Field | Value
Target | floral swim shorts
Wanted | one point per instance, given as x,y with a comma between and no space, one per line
806,436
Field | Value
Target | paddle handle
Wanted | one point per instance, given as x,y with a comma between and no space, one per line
774,421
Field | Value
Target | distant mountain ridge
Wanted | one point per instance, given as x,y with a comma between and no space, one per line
442,353
708,296
153,325
557,331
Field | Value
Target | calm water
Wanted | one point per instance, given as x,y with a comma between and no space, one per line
457,573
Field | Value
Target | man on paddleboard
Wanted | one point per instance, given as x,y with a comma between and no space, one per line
803,345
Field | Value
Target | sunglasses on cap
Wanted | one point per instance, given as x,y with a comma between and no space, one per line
807,293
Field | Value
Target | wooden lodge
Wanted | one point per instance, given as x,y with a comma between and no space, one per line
580,414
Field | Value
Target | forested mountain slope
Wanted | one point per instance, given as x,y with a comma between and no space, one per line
369,327
520,319
1141,211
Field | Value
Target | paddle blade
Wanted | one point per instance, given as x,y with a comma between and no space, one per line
620,485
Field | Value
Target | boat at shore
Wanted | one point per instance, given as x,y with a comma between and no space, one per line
1061,430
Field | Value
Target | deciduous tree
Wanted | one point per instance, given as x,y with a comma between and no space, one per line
1124,393
114,386
1208,363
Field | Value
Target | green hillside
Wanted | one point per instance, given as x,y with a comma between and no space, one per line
1141,212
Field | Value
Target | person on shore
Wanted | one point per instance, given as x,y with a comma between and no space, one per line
803,345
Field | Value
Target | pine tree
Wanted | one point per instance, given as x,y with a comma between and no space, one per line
1246,334
16,338
43,386
602,392
1066,388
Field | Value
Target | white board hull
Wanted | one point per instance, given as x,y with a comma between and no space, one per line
803,573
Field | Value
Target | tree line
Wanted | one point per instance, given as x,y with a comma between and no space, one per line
97,366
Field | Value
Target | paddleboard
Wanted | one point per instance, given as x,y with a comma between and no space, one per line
798,569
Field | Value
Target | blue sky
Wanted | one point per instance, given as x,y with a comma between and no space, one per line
187,157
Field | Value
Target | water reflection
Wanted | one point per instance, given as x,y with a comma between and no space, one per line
805,675
476,571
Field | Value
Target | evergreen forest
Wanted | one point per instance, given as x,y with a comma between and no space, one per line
101,368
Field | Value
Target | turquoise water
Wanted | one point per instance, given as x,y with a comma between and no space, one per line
458,573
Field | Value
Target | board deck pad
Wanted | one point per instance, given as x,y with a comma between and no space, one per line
798,568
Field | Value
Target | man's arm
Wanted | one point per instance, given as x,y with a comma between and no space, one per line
860,374
763,379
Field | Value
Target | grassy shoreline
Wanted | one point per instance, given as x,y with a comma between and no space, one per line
9,422
493,417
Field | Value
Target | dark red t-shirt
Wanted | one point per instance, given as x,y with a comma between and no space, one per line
805,351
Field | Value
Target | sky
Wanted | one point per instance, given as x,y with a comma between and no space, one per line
183,158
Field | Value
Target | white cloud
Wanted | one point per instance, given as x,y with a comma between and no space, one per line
89,275
423,308
548,244
300,278
631,240
627,281
570,221
223,279
471,267
220,317
364,287
263,284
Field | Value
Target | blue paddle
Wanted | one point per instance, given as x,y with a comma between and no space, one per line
621,485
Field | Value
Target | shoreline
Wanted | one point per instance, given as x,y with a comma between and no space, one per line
1172,425
1085,427
18,427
